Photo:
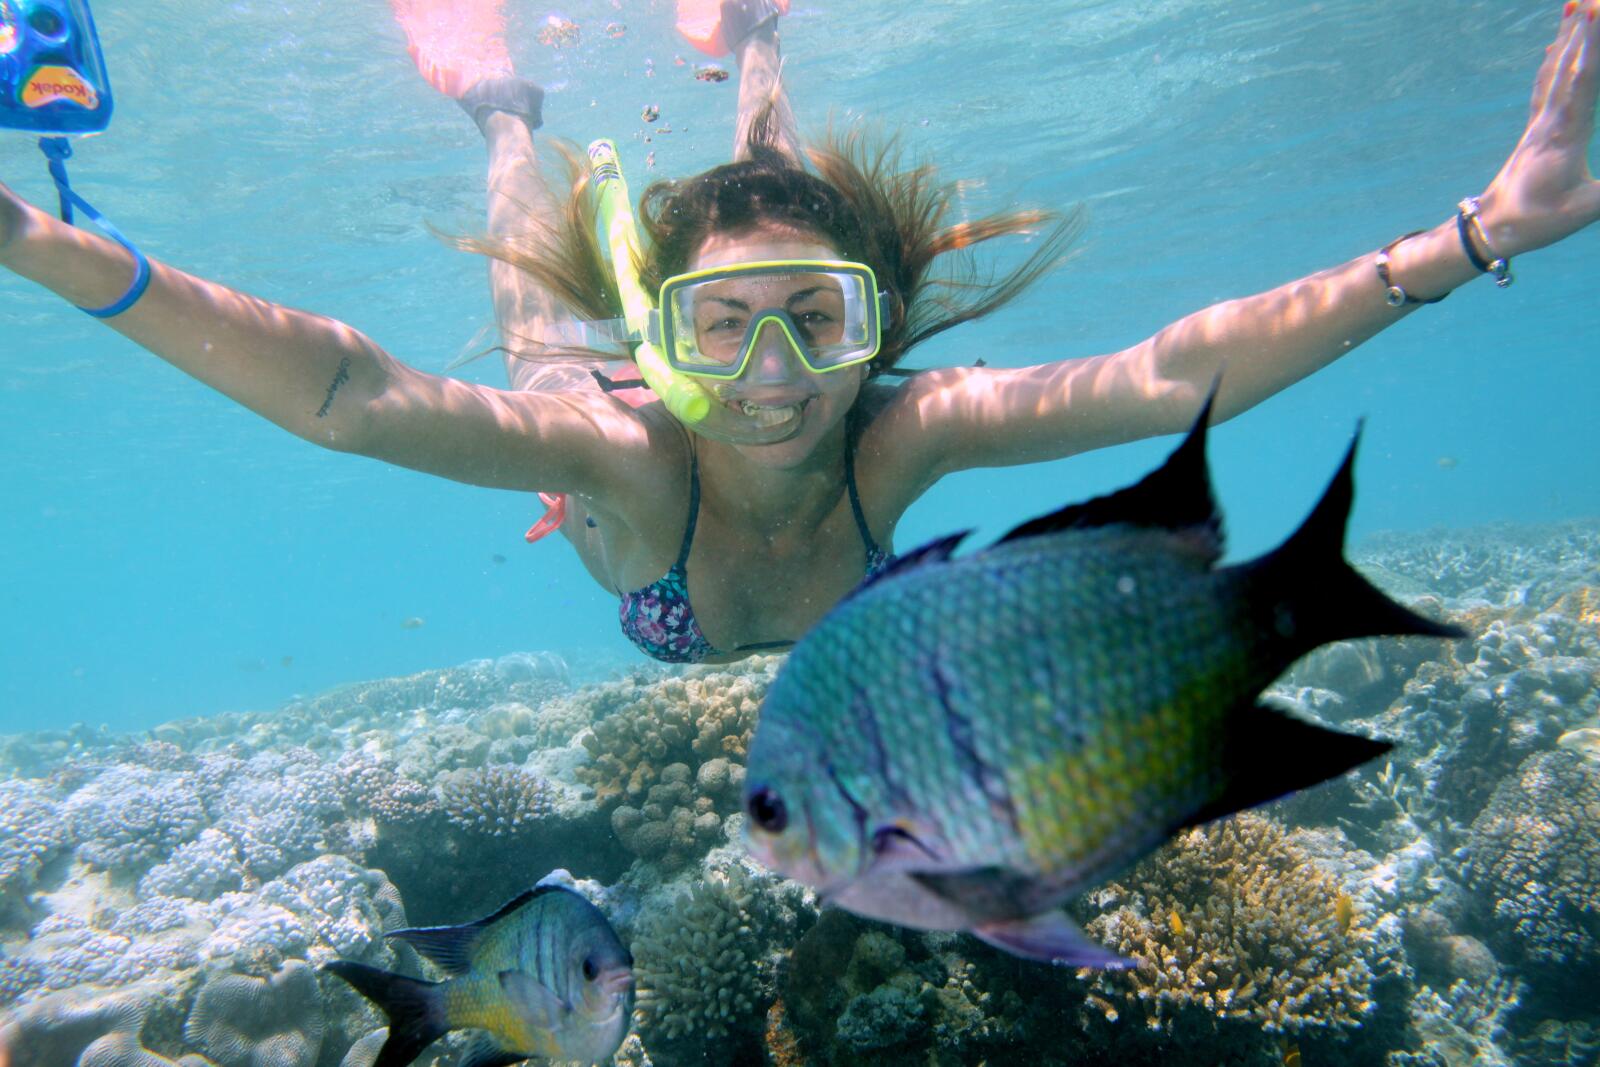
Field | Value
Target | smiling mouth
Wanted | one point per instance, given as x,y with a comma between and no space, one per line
772,415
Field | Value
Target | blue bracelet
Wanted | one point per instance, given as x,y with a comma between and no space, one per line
58,150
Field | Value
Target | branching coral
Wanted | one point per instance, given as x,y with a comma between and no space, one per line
704,966
1233,920
498,800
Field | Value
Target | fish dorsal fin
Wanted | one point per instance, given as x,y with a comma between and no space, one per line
936,551
541,1007
485,1051
451,946
1176,496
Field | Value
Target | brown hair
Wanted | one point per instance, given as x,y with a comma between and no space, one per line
857,195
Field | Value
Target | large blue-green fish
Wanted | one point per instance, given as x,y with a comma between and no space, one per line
965,743
545,976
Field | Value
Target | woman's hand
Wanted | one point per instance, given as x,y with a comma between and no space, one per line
1545,191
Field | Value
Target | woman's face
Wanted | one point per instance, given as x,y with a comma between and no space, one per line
775,378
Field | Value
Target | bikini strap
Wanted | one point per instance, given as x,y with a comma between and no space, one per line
855,496
694,510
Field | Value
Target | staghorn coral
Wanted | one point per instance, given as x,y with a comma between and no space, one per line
704,964
497,800
1232,920
1535,852
244,1021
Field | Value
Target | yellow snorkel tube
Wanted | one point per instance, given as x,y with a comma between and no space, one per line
690,401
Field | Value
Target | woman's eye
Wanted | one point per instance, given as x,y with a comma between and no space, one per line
725,325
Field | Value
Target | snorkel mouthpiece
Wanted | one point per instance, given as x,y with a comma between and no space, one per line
689,401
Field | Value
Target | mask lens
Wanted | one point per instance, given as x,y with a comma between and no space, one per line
717,319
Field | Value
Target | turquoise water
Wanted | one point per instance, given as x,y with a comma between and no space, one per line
168,554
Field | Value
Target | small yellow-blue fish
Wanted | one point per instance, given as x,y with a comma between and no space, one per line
544,976
964,744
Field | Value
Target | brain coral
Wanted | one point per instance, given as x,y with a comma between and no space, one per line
1233,920
1535,852
243,1021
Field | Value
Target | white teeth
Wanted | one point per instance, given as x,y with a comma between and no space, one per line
766,416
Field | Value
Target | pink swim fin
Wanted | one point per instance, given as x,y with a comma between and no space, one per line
455,43
716,27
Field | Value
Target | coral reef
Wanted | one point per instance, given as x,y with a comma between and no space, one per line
1232,920
498,800
1535,853
1433,911
667,757
245,1021
704,960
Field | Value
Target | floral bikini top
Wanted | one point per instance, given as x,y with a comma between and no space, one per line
658,617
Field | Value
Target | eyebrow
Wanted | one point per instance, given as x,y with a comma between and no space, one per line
793,298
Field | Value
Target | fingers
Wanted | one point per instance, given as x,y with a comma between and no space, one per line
1571,19
1582,73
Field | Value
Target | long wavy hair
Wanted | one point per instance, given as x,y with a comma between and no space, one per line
858,195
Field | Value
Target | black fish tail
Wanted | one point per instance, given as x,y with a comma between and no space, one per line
1310,595
1270,754
415,1009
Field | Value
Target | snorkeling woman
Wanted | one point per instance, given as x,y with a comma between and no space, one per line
787,292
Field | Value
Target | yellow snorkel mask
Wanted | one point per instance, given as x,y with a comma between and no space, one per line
701,335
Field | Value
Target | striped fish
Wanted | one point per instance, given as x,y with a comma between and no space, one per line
544,976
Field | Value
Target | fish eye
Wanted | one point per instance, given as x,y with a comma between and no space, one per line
767,810
590,971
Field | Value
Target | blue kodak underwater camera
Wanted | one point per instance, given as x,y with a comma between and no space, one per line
52,74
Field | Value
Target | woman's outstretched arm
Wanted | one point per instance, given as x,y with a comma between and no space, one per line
325,381
1543,193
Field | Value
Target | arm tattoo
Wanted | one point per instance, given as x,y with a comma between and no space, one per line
340,376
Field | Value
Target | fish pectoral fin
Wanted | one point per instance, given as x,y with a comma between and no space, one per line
986,894
1049,937
485,1051
534,1000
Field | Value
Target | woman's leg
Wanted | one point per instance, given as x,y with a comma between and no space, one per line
761,88
520,204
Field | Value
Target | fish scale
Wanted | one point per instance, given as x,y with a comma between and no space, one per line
1032,738
962,743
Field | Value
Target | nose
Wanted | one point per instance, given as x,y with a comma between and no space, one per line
772,355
